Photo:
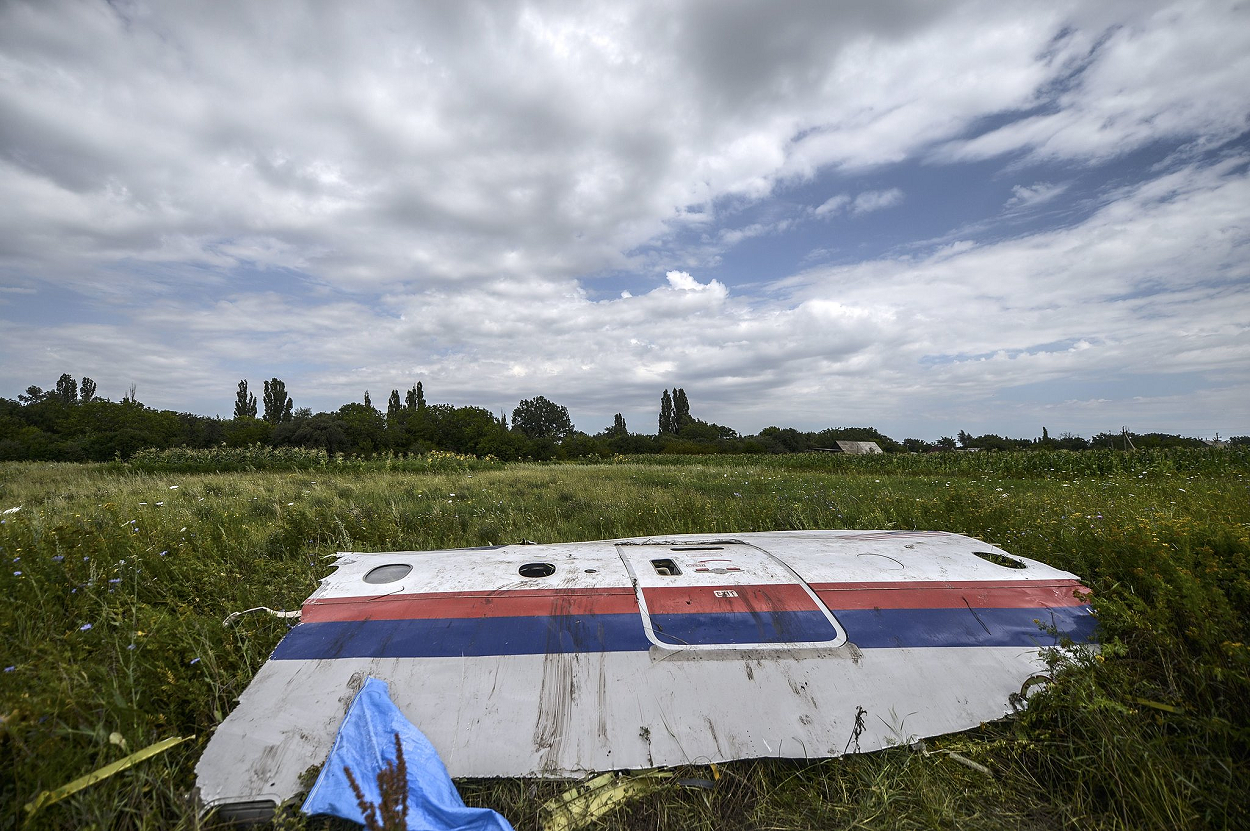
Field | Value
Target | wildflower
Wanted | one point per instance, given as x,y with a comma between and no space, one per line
10,668
12,510
159,504
183,528
17,574
132,646
173,487
56,558
115,581
163,553
195,661
86,627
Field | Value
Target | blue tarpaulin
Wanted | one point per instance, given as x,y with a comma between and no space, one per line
366,743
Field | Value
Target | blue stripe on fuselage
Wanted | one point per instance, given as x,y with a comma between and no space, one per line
696,629
545,634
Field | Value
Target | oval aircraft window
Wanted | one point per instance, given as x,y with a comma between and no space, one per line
1000,559
537,570
388,573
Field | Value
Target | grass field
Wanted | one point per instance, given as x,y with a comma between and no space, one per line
117,578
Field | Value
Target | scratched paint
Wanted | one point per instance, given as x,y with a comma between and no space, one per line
644,652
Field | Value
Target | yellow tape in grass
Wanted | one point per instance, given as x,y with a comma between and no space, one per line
48,797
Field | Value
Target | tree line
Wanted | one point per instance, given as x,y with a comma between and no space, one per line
70,422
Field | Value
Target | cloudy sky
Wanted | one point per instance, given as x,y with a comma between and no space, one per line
919,216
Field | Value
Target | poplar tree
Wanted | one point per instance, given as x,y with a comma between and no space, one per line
278,406
244,404
393,409
86,390
681,410
666,413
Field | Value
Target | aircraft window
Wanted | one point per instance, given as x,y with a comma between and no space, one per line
537,570
1000,559
665,568
388,573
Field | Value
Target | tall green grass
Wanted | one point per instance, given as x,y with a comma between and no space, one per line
117,578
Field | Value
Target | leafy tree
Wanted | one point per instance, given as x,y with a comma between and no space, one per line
945,443
703,431
1069,441
364,428
410,399
368,403
964,438
539,418
785,440
278,405
579,445
618,427
681,410
33,395
244,404
242,432
667,424
67,389
86,390
393,411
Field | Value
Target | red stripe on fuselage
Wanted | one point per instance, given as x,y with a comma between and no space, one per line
954,594
520,603
775,597
977,594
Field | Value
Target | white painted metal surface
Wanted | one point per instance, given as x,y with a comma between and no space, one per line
645,652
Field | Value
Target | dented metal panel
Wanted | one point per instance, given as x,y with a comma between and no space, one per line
645,652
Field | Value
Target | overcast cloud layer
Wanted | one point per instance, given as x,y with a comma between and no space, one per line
924,217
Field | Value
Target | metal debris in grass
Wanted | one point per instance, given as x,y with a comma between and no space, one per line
923,749
583,804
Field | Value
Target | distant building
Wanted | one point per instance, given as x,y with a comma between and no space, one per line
1218,443
854,448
